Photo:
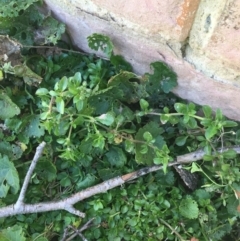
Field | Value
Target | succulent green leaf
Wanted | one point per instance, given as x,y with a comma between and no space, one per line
210,132
147,136
219,115
181,108
228,123
207,111
106,119
63,83
154,129
164,118
60,105
42,91
144,104
181,140
229,154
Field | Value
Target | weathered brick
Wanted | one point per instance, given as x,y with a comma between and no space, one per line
214,45
142,41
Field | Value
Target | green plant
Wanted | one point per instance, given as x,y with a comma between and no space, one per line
94,122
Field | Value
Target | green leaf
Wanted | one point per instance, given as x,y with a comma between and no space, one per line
207,111
97,204
79,105
129,146
181,108
8,177
164,118
46,170
208,157
148,157
99,41
144,150
219,115
125,89
233,206
62,84
237,137
163,78
98,141
88,181
34,128
106,119
8,108
5,148
181,140
120,63
27,74
41,239
229,123
14,233
42,91
229,154
147,136
189,208
210,132
195,168
144,104
116,157
60,105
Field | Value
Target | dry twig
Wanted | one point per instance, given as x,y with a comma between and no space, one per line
67,204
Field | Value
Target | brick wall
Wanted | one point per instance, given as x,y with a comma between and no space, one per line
199,39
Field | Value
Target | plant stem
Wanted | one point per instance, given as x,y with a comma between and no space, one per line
170,227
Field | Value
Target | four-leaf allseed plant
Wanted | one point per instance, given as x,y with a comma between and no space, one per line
99,121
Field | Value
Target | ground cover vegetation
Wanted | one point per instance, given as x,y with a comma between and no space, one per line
91,151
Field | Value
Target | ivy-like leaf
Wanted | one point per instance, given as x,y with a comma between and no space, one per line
14,233
99,41
27,74
163,78
116,157
8,108
12,8
86,182
46,170
233,206
189,208
33,128
120,63
125,89
8,177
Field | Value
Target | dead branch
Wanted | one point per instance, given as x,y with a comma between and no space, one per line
67,204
